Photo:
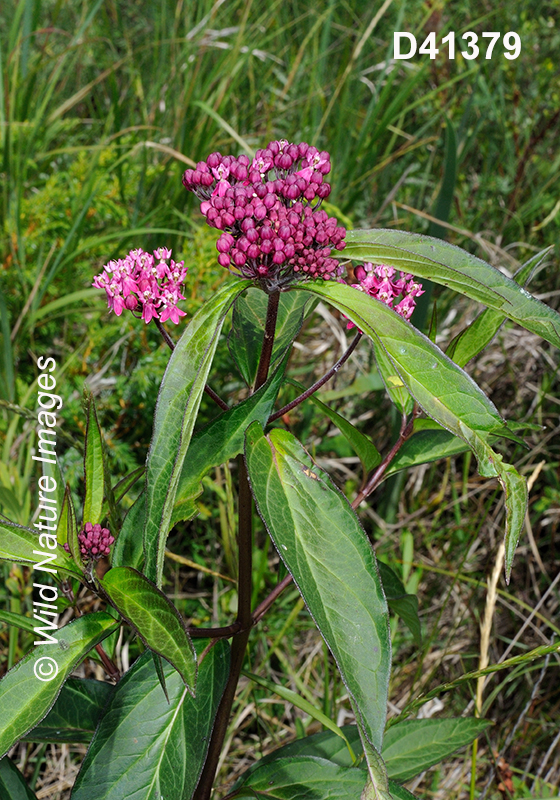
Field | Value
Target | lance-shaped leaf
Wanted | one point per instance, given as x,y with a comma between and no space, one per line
442,389
403,604
146,748
177,406
94,473
220,441
18,621
414,745
306,777
121,488
377,786
451,266
153,615
247,329
12,782
22,544
398,792
62,524
327,745
471,341
75,714
28,690
323,545
128,549
72,529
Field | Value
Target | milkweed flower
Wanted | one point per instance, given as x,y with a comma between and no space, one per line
380,281
143,282
268,209
94,541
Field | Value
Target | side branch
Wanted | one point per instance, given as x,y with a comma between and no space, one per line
376,478
326,377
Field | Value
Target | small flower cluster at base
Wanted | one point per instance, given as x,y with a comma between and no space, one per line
379,281
269,211
151,283
95,542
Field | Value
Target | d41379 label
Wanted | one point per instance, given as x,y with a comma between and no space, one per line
474,46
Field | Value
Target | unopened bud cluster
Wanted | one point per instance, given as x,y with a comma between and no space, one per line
150,283
95,542
268,209
379,281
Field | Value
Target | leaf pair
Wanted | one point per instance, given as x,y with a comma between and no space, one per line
409,748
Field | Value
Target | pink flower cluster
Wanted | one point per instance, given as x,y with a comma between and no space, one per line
95,542
151,283
379,281
268,210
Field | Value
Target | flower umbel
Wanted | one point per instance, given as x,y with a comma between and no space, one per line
95,542
143,282
268,210
380,281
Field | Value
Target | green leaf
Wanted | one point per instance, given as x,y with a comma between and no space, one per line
25,699
12,782
62,524
377,786
451,266
153,615
323,545
302,778
399,792
72,529
473,339
442,389
403,604
396,389
128,550
122,488
247,329
94,473
221,441
18,621
364,448
177,406
22,544
304,705
412,746
326,745
429,442
75,714
161,746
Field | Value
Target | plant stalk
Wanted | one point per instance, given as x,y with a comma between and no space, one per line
317,385
376,478
239,643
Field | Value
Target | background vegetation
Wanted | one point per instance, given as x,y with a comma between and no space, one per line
102,105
